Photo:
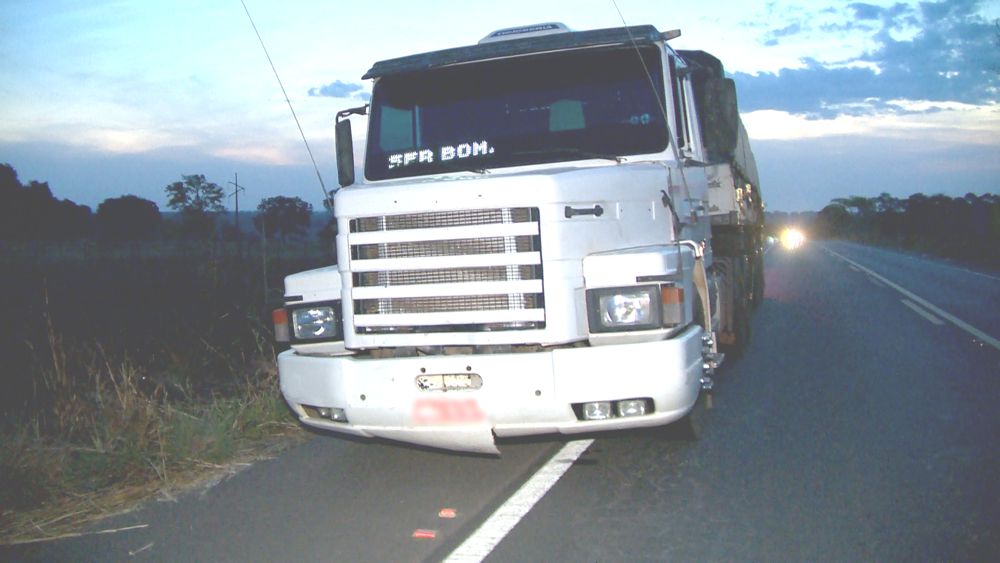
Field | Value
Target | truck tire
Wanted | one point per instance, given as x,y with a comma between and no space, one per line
758,280
743,313
740,306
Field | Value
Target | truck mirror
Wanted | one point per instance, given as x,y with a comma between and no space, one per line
345,153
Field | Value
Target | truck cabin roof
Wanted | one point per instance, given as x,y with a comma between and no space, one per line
640,34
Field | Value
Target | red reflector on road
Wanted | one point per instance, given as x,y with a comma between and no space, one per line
424,534
447,513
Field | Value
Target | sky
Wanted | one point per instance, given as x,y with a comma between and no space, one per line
106,98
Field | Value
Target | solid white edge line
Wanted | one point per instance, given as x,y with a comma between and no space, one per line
922,312
982,336
482,542
875,282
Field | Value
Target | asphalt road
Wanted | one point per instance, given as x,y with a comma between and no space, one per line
856,427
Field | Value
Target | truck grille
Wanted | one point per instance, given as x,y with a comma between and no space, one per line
478,270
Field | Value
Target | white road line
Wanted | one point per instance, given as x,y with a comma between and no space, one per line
982,336
855,269
953,267
922,312
975,273
477,546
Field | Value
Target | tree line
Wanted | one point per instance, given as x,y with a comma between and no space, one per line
30,212
965,228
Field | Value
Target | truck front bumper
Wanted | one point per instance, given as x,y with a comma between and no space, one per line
518,393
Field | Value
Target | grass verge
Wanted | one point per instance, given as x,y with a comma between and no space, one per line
108,439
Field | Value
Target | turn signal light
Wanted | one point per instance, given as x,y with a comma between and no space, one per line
281,330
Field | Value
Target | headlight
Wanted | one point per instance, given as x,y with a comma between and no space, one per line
624,308
319,322
792,238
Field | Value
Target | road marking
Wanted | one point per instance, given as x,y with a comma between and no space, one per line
982,336
482,542
975,273
876,282
855,269
952,266
922,312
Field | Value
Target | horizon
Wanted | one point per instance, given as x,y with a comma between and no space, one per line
838,100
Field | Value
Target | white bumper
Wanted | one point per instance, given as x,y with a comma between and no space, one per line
521,394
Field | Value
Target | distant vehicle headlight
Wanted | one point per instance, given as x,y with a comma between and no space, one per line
624,308
318,322
792,239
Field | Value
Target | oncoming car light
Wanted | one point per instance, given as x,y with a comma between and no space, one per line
792,238
316,322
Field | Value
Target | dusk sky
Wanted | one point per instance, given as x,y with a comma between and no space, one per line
106,98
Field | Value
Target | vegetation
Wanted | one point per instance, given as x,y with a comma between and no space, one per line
30,212
963,228
128,218
198,201
283,216
138,357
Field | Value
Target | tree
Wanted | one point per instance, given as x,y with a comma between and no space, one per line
833,221
282,216
30,212
198,201
858,206
127,218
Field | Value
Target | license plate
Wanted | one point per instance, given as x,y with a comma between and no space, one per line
431,411
449,382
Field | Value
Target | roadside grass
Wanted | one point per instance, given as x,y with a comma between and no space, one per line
132,377
98,451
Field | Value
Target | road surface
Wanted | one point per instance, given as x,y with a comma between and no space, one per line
862,424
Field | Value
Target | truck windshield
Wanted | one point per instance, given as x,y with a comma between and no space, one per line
572,105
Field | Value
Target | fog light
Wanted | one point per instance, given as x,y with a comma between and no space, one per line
329,413
632,407
600,410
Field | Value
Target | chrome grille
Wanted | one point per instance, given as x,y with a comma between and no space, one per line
443,219
475,270
448,275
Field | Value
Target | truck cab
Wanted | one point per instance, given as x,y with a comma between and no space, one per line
528,247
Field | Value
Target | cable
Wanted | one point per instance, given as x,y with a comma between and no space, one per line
659,101
326,194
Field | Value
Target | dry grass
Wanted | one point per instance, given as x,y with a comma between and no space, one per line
73,511
108,438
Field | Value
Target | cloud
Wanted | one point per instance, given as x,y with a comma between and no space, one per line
866,11
942,51
340,89
789,30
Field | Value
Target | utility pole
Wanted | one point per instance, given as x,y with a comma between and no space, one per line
236,192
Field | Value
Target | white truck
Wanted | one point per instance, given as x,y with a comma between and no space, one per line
554,233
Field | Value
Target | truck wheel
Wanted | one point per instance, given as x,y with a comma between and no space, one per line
740,328
758,280
745,307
